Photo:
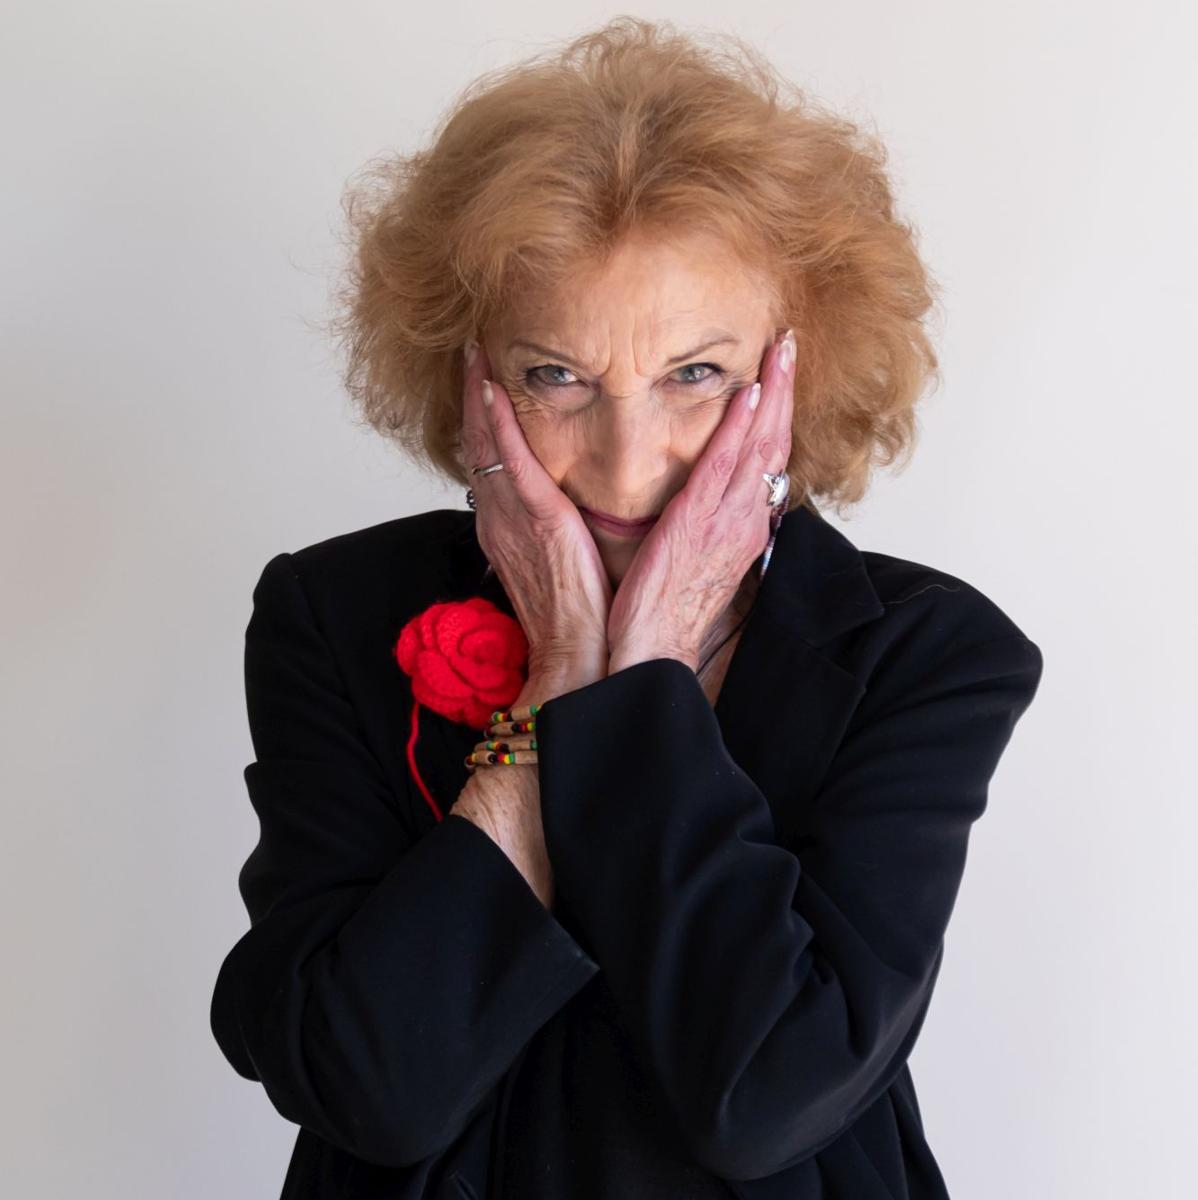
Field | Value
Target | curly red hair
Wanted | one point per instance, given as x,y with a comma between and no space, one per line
637,127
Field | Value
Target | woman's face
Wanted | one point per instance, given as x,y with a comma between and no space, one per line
614,381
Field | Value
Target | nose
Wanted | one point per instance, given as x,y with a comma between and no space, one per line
628,454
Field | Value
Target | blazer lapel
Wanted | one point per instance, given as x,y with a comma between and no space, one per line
784,703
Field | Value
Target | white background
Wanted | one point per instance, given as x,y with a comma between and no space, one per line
172,419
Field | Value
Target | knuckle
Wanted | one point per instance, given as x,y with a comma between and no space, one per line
767,447
723,464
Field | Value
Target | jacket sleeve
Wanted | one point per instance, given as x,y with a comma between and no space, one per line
383,987
774,995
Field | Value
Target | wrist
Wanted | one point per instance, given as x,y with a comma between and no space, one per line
628,655
494,797
545,684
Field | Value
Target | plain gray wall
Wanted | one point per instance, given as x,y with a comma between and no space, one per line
172,175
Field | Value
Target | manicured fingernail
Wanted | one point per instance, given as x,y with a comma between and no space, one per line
471,349
786,355
487,395
754,395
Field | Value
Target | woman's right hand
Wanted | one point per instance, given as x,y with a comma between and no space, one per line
536,540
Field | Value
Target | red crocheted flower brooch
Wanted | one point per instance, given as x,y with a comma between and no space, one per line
466,658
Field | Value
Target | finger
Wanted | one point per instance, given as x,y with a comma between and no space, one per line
476,439
528,479
766,445
716,469
710,476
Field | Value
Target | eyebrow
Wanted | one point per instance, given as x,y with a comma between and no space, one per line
716,337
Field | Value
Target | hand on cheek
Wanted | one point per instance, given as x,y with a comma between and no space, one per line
692,561
534,538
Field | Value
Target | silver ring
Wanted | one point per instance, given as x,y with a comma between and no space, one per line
486,470
779,488
778,502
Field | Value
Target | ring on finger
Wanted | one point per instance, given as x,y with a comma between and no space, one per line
779,488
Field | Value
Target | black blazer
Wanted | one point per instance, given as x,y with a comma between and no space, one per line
751,899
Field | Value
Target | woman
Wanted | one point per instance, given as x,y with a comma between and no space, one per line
678,938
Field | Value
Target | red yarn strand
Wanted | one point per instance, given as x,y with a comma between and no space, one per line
412,761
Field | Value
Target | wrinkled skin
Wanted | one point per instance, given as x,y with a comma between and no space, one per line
604,420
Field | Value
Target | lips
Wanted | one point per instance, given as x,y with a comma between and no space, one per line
618,525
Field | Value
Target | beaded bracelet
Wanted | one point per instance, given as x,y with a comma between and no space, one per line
511,738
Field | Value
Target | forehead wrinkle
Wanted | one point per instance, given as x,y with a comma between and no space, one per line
709,339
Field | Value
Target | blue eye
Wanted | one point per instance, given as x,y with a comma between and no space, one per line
709,366
531,376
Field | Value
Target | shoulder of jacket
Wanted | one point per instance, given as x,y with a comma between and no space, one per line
351,566
920,598
416,531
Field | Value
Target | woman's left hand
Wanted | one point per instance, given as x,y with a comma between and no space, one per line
693,560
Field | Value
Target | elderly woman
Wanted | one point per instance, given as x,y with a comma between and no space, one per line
611,826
